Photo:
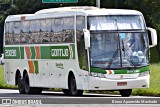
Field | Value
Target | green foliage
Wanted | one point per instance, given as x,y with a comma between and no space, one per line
154,89
6,8
113,4
2,81
154,55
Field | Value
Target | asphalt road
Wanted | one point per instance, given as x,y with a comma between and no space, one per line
8,97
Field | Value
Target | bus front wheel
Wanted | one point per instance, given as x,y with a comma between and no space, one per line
126,93
73,88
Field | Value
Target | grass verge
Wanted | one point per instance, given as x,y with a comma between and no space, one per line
154,89
2,81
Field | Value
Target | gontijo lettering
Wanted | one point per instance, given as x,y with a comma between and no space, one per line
10,52
59,52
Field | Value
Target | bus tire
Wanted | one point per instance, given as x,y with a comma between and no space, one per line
65,91
73,88
28,89
37,90
21,85
27,84
126,93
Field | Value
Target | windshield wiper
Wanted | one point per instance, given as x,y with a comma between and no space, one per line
123,48
112,59
132,42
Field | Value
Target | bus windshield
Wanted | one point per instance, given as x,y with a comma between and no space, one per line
116,22
118,42
117,50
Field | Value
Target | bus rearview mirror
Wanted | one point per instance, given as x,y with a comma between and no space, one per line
86,38
153,36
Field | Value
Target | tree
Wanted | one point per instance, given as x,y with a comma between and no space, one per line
6,8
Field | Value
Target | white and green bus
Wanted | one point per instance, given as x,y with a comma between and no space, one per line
76,49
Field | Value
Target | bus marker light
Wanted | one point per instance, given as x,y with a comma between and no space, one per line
23,18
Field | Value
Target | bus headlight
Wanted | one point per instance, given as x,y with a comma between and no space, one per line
144,73
100,75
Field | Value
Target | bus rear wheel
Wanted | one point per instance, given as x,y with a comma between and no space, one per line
73,88
21,85
126,93
28,89
65,91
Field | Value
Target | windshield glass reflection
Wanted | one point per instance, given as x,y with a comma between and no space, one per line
116,50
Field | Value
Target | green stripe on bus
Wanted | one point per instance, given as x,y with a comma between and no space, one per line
22,52
143,69
125,71
33,52
36,67
46,52
98,70
73,49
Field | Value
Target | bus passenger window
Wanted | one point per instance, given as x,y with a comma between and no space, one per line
24,32
68,29
45,30
35,29
16,32
7,33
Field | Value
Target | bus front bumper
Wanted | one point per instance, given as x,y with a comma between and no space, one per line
96,83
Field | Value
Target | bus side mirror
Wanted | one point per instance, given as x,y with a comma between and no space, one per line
86,38
153,36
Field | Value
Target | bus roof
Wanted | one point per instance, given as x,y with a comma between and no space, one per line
90,11
66,9
85,10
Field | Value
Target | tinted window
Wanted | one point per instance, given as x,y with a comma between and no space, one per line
62,30
45,30
34,36
56,30
25,31
25,26
13,30
9,33
82,53
46,25
68,29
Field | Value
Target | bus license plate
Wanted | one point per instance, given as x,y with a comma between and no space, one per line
121,83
